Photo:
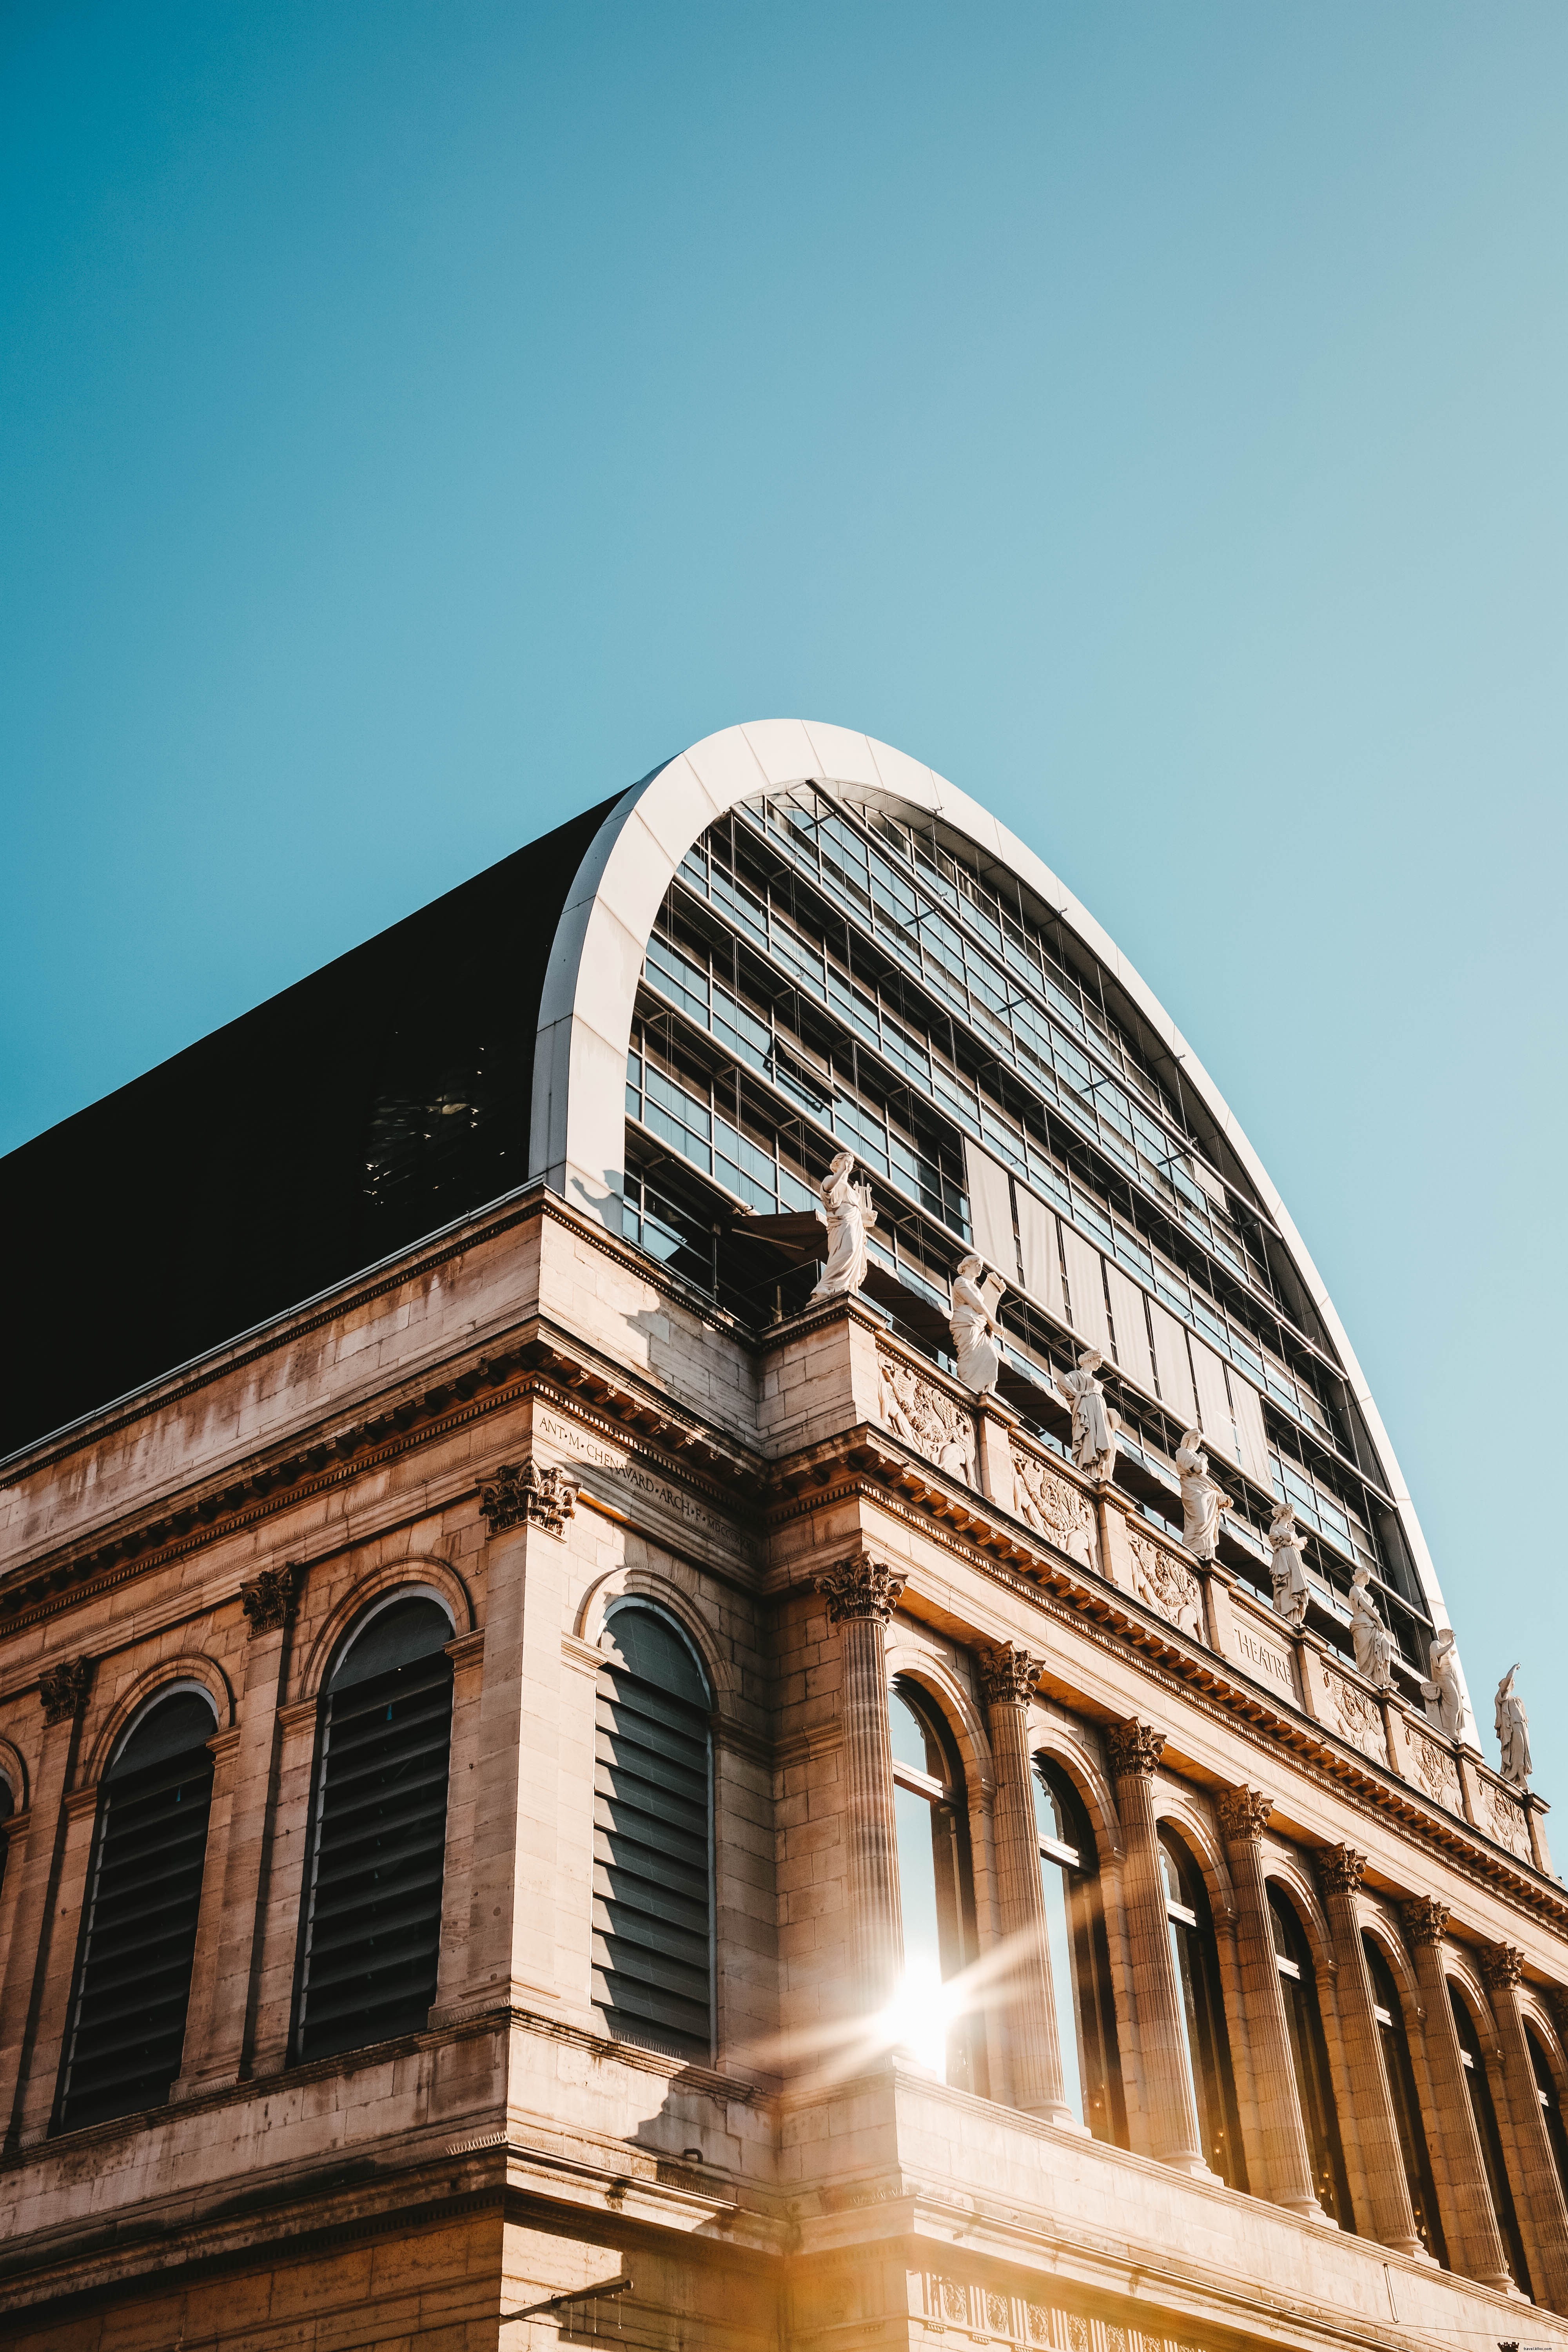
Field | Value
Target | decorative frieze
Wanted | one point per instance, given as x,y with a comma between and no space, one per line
1435,1771
525,1492
1133,1751
1505,1819
1008,1675
860,1587
916,1410
1244,1814
989,2315
270,1598
63,1690
1054,1508
1163,1584
1357,1717
1426,1920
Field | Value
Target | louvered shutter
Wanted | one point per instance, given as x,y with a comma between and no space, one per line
127,2023
372,1929
653,1911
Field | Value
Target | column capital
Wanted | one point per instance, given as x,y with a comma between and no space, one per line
1134,1750
860,1587
1008,1675
1502,1963
1341,1869
1426,1920
524,1494
1244,1814
62,1690
270,1597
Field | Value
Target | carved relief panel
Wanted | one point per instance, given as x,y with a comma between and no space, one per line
916,1410
1053,1507
1432,1769
1356,1717
1163,1584
1504,1816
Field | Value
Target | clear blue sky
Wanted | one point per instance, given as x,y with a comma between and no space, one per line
418,421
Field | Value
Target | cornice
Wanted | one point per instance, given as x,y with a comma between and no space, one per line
1028,1567
535,1360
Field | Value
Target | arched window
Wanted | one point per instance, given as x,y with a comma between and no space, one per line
127,2020
1551,2106
1310,2056
1485,2113
371,1934
1401,2079
1080,1963
1207,2045
935,1889
653,1840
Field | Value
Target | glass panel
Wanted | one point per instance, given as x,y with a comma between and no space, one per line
1477,2083
1309,2057
1207,2045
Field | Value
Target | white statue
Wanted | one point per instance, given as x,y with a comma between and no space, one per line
1094,1424
1373,1641
850,1217
1513,1732
1288,1567
1443,1693
976,1345
1204,1500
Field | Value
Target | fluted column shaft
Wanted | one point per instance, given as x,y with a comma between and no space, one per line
1174,2138
1469,2225
1542,2216
861,1595
1034,2046
1389,2215
63,1692
1287,2159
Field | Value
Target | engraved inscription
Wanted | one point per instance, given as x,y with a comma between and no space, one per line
1265,1660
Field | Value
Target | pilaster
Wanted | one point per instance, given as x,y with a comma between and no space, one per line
1134,1752
63,1696
1542,2216
1287,2162
861,1594
1008,1675
1469,2224
41,2072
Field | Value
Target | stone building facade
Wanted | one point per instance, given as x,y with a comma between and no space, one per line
567,1786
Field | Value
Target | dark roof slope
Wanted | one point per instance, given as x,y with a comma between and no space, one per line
379,1098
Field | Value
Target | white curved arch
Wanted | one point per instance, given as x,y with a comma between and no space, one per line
578,1127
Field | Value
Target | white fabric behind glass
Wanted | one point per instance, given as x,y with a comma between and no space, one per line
1064,1982
1248,1409
1131,1330
1171,1361
1085,1290
991,1211
1037,1245
1213,1403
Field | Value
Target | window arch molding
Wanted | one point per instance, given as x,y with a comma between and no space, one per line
1374,1921
155,1683
1175,1811
1541,2023
1460,1970
1282,1869
661,1591
905,1660
13,1772
1058,1744
404,1579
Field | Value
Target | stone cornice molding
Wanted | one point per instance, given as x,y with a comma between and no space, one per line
1008,1675
1244,1815
860,1587
1341,1869
1425,1920
1133,1751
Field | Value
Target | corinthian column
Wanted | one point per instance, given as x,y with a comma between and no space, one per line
1541,2215
1382,2159
1469,2224
1008,1675
1134,1751
862,1594
1287,2159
